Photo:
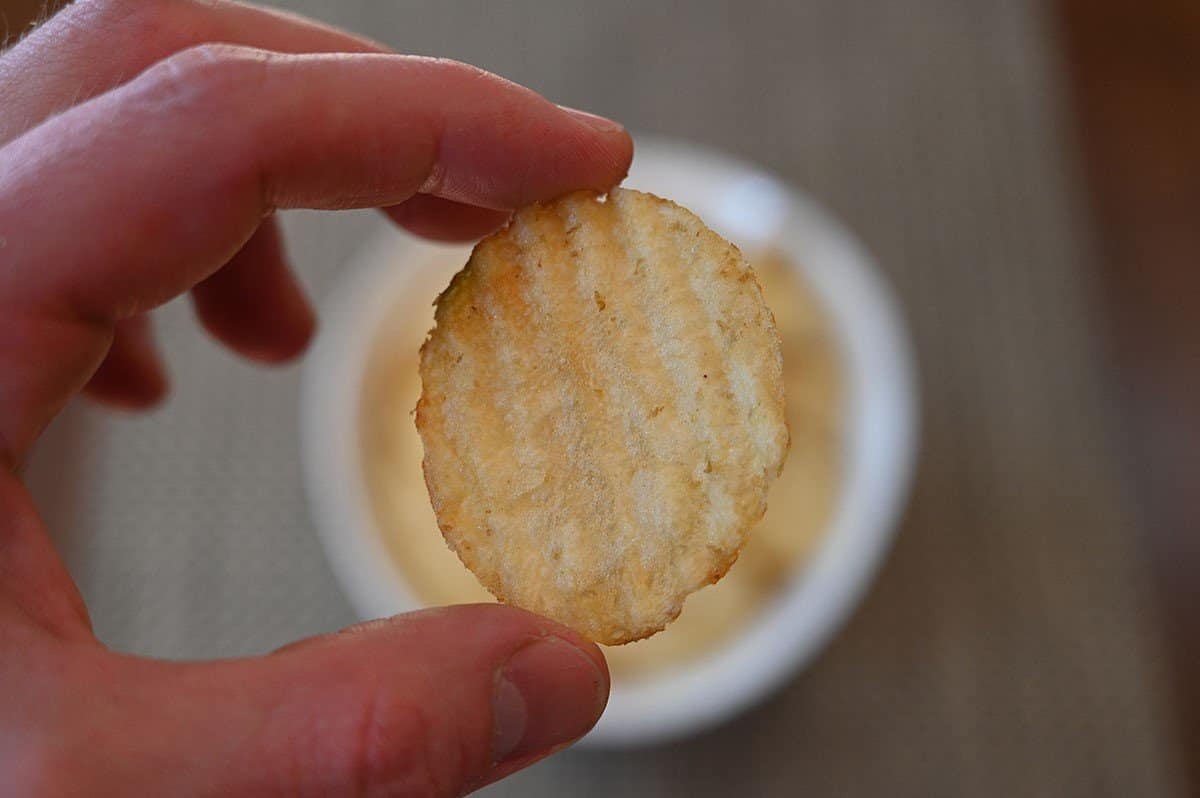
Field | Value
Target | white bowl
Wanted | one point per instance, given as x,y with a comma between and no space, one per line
751,209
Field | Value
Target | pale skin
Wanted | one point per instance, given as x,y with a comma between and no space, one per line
140,161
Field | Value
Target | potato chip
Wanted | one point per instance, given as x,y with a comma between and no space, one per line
602,411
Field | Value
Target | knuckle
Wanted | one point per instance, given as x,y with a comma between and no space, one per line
398,747
217,88
204,74
206,66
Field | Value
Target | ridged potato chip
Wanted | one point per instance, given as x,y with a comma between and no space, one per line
602,411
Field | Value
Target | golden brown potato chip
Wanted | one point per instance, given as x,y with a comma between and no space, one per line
602,411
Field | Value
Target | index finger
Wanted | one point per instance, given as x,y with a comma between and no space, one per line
133,197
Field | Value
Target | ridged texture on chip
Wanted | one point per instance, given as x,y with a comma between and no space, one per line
602,411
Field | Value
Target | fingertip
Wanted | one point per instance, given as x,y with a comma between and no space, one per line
585,646
266,339
286,344
560,677
549,689
254,305
519,622
547,685
548,694
286,347
150,392
132,376
622,155
600,124
128,387
135,395
610,143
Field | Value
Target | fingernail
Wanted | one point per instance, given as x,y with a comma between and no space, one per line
600,123
548,694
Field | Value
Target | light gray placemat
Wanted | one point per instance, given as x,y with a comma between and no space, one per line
1008,648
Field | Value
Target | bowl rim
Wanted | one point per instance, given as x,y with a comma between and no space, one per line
881,431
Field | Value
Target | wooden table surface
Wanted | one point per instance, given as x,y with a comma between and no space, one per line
1011,645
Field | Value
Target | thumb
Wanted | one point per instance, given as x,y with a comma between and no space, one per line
433,703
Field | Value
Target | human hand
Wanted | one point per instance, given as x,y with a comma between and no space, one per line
138,163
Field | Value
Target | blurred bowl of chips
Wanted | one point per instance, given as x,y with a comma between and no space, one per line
851,407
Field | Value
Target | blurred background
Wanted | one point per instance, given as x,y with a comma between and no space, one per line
1027,175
